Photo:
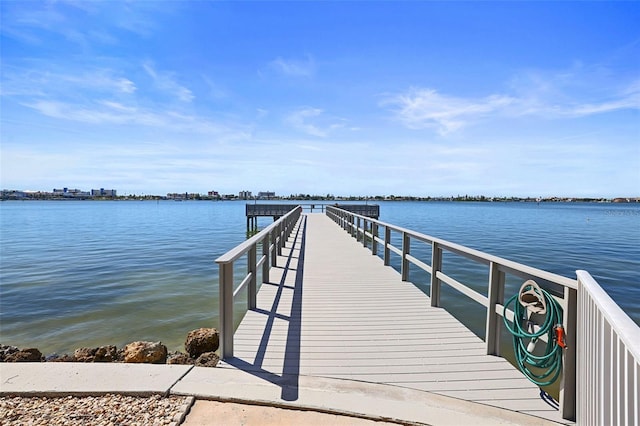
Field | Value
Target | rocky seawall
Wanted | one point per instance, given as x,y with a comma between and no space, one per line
200,346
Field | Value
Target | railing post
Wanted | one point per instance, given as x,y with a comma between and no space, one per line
495,296
364,232
436,266
374,241
358,228
568,378
253,270
280,238
267,262
406,249
273,247
226,310
387,242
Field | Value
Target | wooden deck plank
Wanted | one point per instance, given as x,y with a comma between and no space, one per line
336,311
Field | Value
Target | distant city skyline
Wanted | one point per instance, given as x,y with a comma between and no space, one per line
57,193
526,99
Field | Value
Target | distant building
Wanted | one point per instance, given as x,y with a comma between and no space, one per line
13,194
103,192
245,195
183,196
70,193
266,195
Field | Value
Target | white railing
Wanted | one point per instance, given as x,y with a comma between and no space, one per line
271,240
608,359
367,230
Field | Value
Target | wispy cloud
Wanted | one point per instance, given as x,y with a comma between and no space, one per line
426,108
420,108
629,98
108,112
45,80
35,22
294,67
313,121
300,120
166,82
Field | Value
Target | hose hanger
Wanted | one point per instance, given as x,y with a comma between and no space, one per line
537,319
531,298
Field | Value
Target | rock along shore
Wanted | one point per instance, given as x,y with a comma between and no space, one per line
200,346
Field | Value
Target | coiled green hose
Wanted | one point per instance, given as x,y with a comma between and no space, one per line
542,370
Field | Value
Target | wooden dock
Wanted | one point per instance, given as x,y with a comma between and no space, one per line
331,309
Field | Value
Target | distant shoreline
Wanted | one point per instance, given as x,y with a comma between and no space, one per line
617,200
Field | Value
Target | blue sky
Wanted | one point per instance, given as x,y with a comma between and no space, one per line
348,98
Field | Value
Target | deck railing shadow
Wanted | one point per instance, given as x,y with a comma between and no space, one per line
272,240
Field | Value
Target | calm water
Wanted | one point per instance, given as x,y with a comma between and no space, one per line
94,273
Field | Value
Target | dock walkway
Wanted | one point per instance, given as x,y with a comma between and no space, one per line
332,310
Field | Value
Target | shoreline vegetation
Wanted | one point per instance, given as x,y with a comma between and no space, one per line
7,195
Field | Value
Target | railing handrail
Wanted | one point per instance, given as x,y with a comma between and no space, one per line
242,248
272,240
474,254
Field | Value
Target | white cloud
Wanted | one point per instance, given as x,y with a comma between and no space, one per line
628,99
313,121
424,108
420,108
580,91
293,67
105,112
44,80
300,120
165,81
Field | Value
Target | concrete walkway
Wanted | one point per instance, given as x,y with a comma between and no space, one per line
357,400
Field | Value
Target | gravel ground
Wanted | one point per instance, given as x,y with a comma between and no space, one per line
104,410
